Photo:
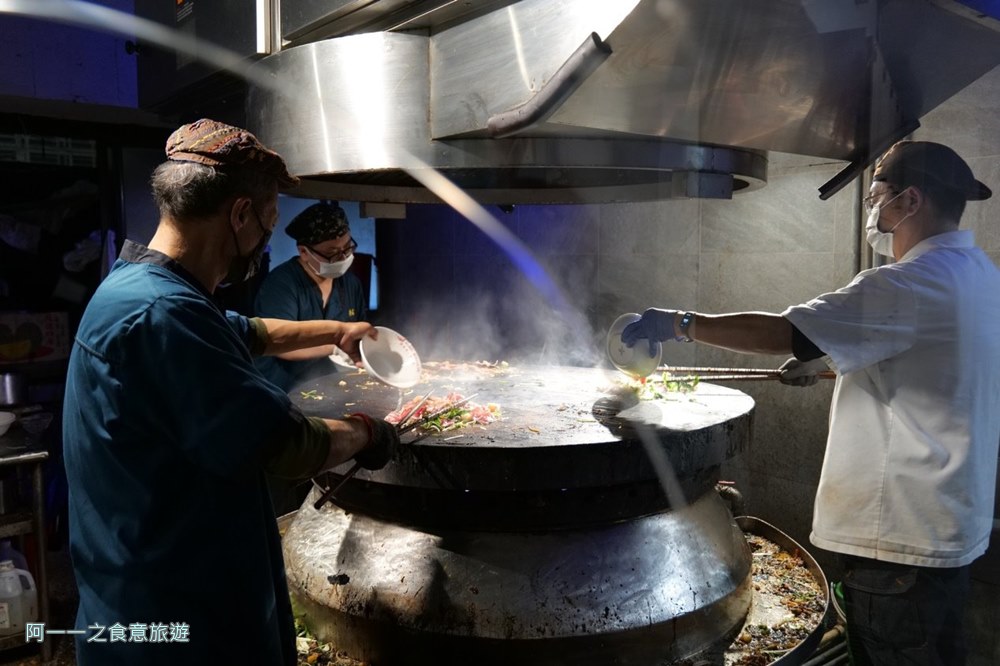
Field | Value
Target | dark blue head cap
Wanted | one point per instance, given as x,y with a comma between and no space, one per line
317,223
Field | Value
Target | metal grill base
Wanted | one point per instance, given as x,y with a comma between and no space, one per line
646,591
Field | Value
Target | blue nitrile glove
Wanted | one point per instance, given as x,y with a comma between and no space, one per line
656,325
801,373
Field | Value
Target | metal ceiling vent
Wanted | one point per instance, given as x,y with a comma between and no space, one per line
573,101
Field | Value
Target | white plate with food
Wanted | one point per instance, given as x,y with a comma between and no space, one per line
391,358
634,361
342,360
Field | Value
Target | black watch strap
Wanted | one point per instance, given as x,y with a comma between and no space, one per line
685,324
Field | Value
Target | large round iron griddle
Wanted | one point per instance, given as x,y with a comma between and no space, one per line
567,450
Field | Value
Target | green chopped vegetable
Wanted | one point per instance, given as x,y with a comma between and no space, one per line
437,425
658,388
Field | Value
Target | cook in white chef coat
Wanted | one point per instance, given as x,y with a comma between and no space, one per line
909,476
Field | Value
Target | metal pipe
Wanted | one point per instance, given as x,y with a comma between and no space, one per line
832,649
834,657
38,526
581,64
732,496
831,635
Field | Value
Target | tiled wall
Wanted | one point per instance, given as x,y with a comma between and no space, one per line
773,248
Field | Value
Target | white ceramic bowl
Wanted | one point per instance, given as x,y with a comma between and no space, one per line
391,358
6,418
342,360
634,361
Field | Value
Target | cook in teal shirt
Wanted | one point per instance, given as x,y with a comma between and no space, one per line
166,424
314,285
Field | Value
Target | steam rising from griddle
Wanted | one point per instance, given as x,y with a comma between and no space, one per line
514,324
564,330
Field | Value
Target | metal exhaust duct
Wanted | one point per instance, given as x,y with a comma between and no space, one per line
573,101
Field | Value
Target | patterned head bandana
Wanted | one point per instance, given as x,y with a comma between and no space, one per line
320,222
216,144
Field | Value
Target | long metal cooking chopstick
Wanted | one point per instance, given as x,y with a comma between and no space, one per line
736,378
696,370
331,492
428,419
432,417
413,411
733,374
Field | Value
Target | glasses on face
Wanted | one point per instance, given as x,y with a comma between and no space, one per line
339,255
871,200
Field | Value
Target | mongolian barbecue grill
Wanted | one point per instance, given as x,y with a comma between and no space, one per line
544,537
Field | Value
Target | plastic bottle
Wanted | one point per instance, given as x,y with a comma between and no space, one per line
11,617
18,599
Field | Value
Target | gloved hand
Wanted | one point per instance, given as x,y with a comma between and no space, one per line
801,373
383,442
655,325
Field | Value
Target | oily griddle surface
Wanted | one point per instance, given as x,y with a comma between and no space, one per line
538,404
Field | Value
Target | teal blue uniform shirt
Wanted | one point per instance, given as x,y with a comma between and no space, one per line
289,293
166,418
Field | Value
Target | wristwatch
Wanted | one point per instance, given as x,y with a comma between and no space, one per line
685,324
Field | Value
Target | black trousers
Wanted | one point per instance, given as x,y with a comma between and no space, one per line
899,614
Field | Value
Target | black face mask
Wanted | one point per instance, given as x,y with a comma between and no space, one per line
243,268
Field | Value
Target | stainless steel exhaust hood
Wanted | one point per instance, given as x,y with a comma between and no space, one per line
566,101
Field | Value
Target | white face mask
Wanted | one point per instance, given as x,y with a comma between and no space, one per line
881,241
327,269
